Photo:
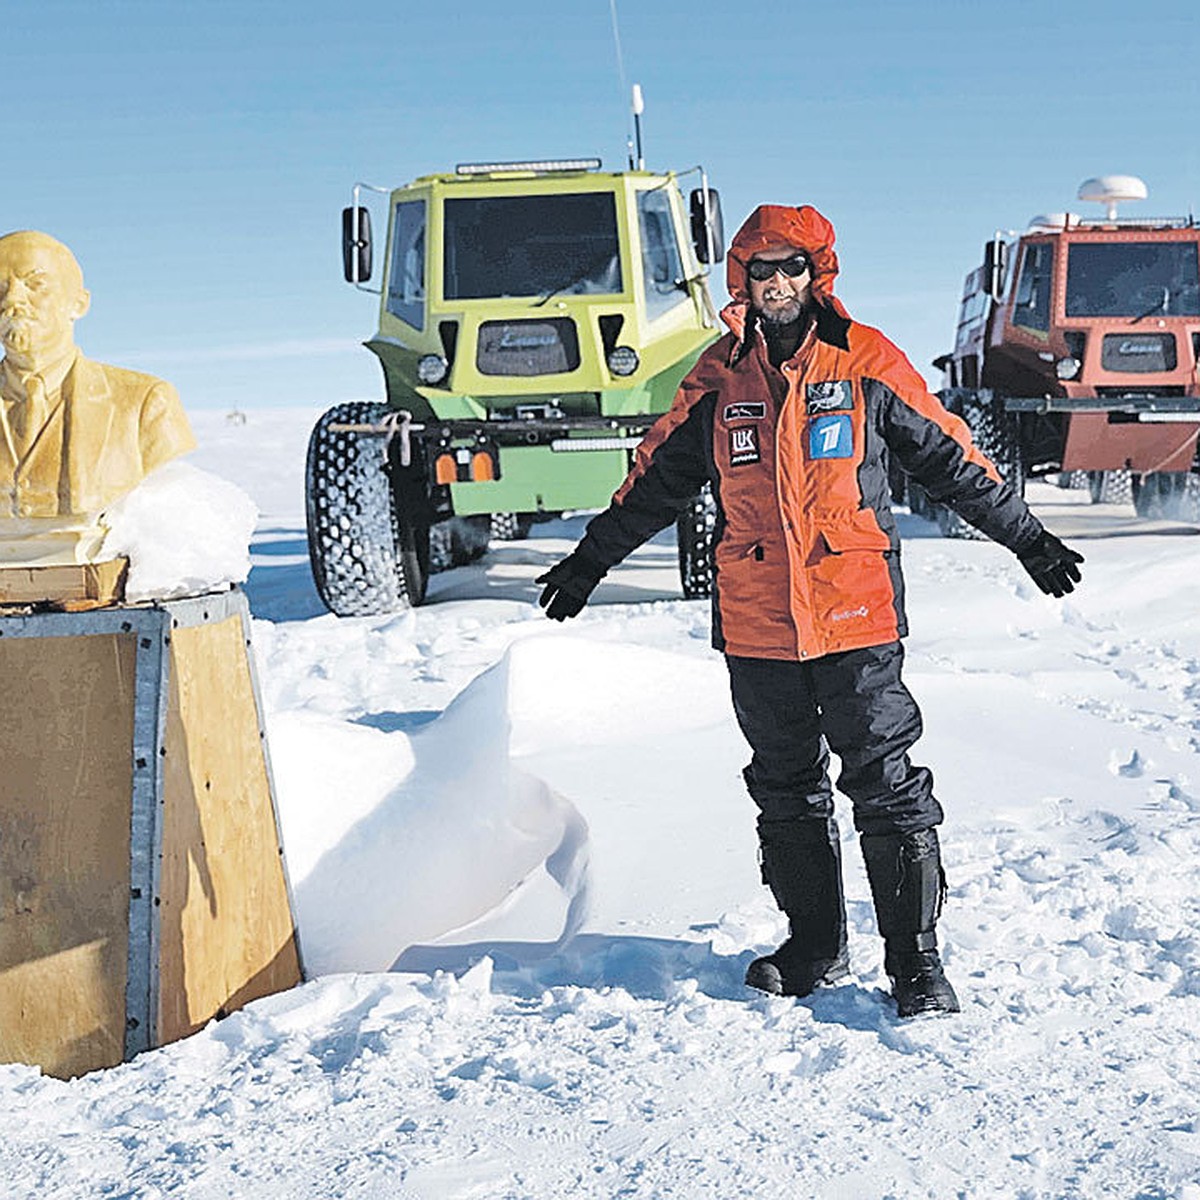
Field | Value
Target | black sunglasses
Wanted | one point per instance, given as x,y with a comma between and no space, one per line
761,269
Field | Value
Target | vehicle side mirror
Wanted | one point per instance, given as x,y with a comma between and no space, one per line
995,261
708,229
356,244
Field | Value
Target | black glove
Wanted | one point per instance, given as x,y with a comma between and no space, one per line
1052,565
568,586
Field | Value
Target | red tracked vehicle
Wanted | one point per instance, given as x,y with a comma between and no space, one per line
1076,351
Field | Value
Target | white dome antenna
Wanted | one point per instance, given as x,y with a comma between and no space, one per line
1111,190
1053,221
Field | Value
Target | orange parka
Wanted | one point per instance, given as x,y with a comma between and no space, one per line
806,549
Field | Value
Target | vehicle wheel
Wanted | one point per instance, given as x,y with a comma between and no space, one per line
410,503
1147,496
994,430
469,538
441,551
694,530
1188,506
1169,495
364,559
1188,498
510,526
1013,468
1110,487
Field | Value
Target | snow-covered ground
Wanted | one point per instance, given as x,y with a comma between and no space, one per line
524,870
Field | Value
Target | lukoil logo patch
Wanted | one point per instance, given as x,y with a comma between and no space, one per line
743,446
831,436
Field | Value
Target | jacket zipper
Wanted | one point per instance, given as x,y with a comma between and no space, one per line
792,377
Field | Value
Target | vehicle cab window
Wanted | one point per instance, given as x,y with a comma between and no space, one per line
1031,307
1133,279
662,264
406,280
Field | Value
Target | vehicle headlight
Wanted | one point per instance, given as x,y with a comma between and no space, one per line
432,368
623,360
1067,368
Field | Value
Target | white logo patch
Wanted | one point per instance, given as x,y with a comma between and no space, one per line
851,613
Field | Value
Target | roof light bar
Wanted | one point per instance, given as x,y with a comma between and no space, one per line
553,164
563,445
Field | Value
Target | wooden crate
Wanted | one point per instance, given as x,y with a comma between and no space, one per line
143,889
70,587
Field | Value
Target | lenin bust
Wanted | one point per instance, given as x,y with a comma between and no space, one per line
75,435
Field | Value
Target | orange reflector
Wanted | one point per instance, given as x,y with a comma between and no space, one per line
482,467
446,469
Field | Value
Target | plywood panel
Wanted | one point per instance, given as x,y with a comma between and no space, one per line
225,925
65,765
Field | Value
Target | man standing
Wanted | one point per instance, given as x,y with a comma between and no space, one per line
74,434
792,416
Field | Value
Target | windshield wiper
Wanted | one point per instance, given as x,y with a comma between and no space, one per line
1162,304
582,277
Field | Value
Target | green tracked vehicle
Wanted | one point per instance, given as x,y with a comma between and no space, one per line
534,320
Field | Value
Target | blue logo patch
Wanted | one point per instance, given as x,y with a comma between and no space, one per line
831,436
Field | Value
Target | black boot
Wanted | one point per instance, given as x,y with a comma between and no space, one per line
907,885
802,865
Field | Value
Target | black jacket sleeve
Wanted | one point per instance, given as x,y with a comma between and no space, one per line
671,465
935,448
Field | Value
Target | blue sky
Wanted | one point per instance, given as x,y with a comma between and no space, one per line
196,156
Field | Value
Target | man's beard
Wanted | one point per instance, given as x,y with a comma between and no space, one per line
786,314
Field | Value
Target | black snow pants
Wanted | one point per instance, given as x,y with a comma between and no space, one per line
853,703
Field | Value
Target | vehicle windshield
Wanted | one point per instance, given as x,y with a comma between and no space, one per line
531,246
1133,279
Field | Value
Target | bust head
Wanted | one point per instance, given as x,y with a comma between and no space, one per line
41,297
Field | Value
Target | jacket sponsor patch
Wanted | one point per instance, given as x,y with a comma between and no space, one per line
743,446
834,395
831,436
753,410
851,614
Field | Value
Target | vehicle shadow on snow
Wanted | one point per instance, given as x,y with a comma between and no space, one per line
280,586
509,570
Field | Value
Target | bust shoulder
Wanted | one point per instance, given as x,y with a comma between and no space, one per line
119,382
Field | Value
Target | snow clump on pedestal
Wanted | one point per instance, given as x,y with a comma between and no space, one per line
183,530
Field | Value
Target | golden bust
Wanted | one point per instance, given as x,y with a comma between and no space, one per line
75,435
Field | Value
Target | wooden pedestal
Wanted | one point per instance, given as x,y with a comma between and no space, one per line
142,884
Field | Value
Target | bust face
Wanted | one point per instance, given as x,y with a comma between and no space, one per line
41,297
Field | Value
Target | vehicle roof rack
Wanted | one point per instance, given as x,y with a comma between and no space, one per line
1139,222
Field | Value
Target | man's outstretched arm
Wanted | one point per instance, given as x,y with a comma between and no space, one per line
670,467
935,447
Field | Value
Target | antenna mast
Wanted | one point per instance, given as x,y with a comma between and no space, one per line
634,162
639,106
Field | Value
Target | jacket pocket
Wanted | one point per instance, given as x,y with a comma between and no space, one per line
854,531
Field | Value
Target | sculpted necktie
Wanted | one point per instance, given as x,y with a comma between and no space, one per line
33,413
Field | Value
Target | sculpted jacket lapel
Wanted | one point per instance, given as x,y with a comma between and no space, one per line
8,462
88,415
